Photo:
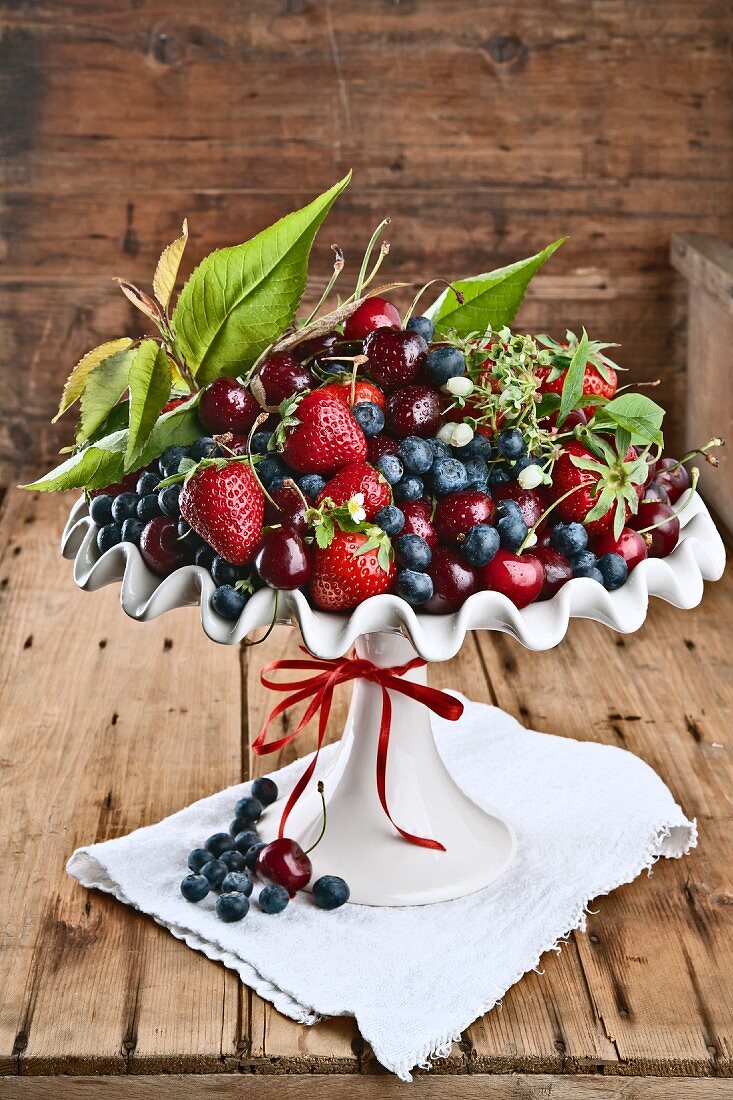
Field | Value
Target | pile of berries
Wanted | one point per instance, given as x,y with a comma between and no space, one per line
381,457
229,862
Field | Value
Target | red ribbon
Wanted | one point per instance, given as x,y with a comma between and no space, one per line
319,689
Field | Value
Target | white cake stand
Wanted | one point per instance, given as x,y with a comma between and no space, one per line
360,844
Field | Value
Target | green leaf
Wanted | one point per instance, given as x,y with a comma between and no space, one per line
78,378
166,273
105,386
102,463
490,300
240,299
637,414
150,387
572,387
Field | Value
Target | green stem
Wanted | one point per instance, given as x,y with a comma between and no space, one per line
422,290
367,256
545,514
338,266
678,513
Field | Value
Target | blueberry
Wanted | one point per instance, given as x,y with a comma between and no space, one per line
414,588
232,907
583,560
511,444
448,476
270,467
190,537
390,519
480,544
265,790
100,510
260,442
416,454
132,529
204,557
499,474
198,857
512,532
522,464
369,417
233,860
439,448
195,887
147,483
273,899
108,536
246,839
170,460
311,485
508,507
614,571
220,842
477,471
249,808
423,326
251,857
202,448
148,507
413,552
569,538
443,363
330,891
168,501
390,467
238,882
224,572
478,447
409,487
589,571
124,507
215,871
228,602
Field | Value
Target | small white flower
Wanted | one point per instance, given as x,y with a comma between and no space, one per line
461,435
530,477
356,508
445,433
459,387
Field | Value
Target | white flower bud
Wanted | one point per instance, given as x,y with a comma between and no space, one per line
459,387
531,540
461,436
530,477
445,433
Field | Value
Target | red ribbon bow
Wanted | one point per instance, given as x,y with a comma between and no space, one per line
320,690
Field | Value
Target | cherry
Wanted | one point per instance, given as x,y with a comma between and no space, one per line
674,478
656,491
418,521
361,389
521,577
282,375
127,485
227,406
651,469
372,314
414,410
283,560
378,445
317,345
576,418
663,539
284,862
532,502
161,547
458,512
630,545
453,581
395,357
288,510
557,568
172,404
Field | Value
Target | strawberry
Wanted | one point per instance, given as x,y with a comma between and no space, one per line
606,490
345,574
324,437
363,391
224,504
358,477
600,378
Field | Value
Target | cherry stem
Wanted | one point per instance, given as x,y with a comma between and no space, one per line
270,628
338,267
323,826
367,256
545,514
294,485
422,290
716,442
675,515
263,416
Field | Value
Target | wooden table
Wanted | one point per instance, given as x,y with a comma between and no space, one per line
107,725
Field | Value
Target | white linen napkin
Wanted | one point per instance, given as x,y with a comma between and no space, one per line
588,818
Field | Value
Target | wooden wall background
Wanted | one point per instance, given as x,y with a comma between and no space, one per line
484,129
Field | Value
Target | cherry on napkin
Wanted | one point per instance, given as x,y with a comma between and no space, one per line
588,818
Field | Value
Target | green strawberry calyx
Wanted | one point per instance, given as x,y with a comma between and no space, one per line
350,518
562,355
616,487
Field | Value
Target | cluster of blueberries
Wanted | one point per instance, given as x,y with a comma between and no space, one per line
571,539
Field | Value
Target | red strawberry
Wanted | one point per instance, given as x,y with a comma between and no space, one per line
418,522
594,383
225,505
358,477
325,438
458,513
587,483
363,391
227,406
342,578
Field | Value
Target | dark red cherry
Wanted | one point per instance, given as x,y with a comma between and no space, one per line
282,375
395,357
284,862
317,345
663,539
532,502
378,445
283,560
557,569
288,510
458,512
521,577
630,545
654,490
651,465
161,547
227,406
418,521
127,485
372,314
414,410
453,582
675,479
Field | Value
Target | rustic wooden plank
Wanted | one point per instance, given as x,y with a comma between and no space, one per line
106,725
706,262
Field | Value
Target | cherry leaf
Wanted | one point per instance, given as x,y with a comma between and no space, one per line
150,387
105,386
79,377
166,273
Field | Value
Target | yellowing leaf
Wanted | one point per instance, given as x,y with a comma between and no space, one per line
140,300
166,272
103,390
150,386
77,380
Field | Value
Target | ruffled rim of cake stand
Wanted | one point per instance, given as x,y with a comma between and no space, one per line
677,579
